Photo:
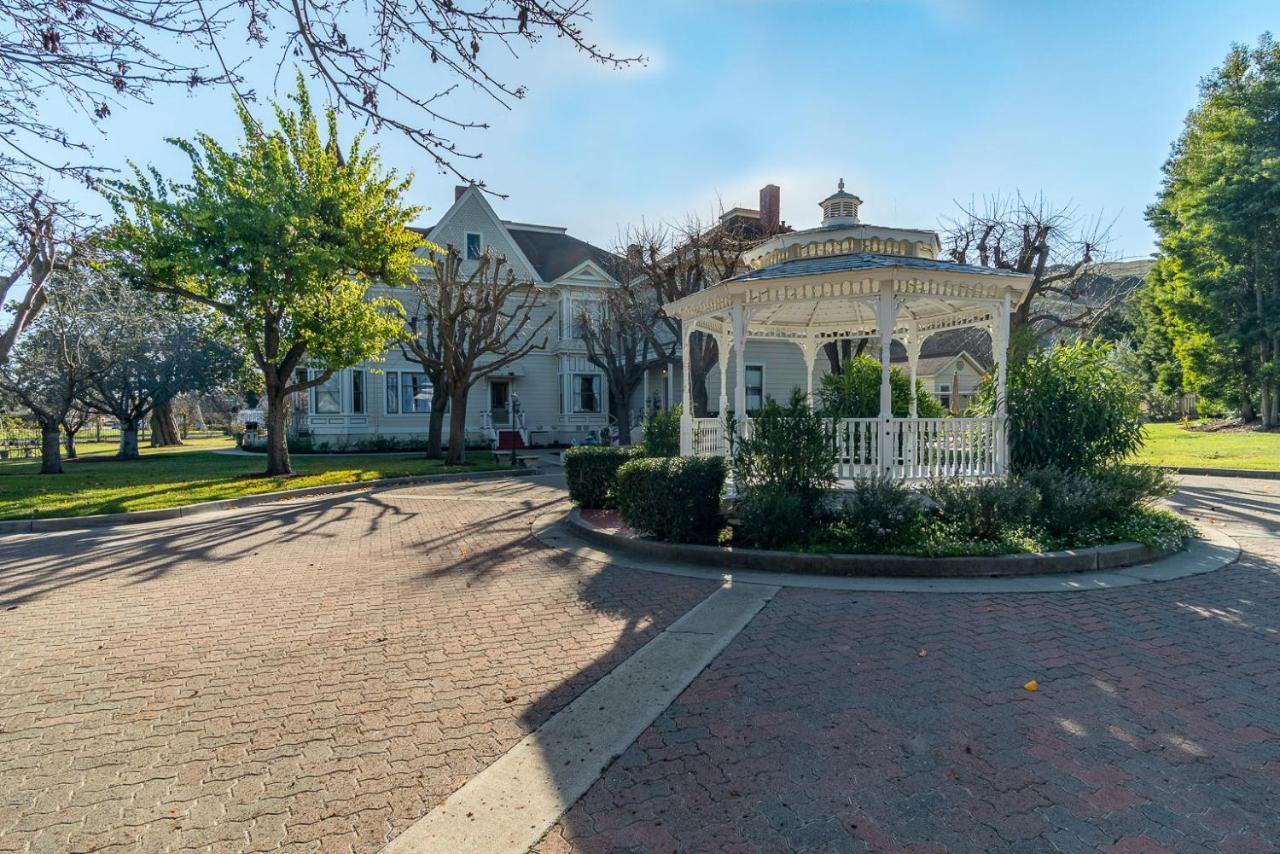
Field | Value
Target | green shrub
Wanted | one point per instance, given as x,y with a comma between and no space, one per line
781,471
1070,408
1072,502
790,449
661,433
676,499
855,392
877,515
986,510
1131,487
590,471
1069,500
771,518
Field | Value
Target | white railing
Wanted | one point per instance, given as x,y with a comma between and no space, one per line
486,426
903,448
946,447
709,438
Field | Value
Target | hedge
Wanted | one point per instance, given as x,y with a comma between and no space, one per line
676,499
590,472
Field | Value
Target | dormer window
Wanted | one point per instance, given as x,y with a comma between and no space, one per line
475,247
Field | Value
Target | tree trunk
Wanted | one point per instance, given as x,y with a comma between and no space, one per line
435,428
698,391
620,402
128,440
71,443
457,428
50,449
278,463
164,426
1247,412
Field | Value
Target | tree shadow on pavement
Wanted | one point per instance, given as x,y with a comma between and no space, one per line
32,565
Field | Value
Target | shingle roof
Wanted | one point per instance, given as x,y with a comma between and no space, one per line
860,261
946,345
552,255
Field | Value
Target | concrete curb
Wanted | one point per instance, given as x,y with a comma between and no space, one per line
882,566
1212,472
513,802
1214,551
69,523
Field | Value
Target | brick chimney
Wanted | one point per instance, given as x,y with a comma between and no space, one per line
458,190
770,208
634,256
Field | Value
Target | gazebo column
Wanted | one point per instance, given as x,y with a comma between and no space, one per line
686,404
809,347
644,390
738,318
886,319
914,342
722,348
1000,350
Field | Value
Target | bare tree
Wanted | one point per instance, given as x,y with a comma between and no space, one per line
38,236
99,56
675,261
1054,245
617,336
51,363
72,423
425,347
146,352
484,321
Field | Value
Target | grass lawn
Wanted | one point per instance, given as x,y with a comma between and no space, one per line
168,477
1171,445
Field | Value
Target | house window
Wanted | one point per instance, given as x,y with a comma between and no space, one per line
357,391
328,395
393,392
412,385
755,388
585,311
586,392
474,247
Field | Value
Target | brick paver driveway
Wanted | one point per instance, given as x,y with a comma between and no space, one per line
845,722
318,674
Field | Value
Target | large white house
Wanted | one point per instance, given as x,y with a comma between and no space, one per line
554,395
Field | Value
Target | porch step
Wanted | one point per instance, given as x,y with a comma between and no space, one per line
509,440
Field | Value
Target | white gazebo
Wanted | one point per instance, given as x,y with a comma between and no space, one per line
846,280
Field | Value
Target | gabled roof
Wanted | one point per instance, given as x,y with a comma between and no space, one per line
932,366
974,342
552,254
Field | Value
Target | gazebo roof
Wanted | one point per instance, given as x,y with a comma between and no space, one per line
834,296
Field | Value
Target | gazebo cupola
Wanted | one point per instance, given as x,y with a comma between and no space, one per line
840,208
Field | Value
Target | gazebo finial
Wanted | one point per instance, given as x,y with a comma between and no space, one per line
840,186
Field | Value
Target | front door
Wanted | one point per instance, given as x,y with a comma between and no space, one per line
500,402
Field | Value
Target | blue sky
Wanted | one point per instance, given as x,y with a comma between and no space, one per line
917,104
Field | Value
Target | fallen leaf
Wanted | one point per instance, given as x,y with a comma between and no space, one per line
1033,685
922,653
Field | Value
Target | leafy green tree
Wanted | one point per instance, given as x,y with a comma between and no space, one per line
1069,408
855,392
1217,285
283,236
